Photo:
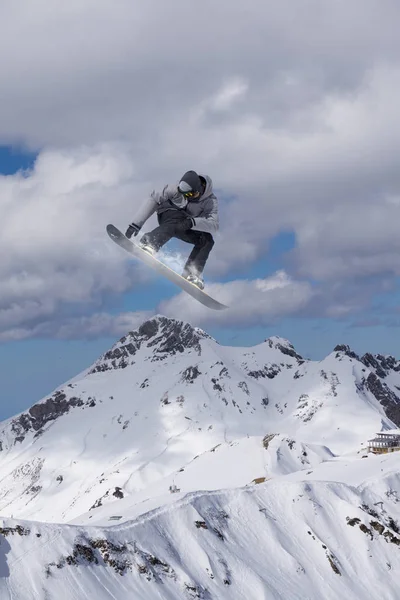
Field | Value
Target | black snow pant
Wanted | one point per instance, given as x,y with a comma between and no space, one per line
167,229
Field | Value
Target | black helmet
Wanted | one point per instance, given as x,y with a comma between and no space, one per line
190,184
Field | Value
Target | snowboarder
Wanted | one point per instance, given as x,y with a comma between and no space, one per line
187,211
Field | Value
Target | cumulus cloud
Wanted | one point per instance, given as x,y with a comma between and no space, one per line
53,245
250,302
85,327
291,110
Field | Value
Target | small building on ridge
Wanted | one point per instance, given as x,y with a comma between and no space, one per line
385,441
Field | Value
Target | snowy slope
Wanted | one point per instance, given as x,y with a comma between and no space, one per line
164,395
227,465
283,539
268,455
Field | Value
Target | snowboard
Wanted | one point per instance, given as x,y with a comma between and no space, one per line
151,261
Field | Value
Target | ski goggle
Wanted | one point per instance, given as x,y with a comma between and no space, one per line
185,189
190,194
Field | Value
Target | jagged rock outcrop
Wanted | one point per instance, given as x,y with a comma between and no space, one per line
41,413
284,346
345,349
382,365
387,398
164,336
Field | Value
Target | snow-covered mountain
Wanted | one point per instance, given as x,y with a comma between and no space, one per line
275,495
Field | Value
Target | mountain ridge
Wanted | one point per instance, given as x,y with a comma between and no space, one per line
255,458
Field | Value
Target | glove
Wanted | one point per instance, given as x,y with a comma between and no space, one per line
133,229
185,224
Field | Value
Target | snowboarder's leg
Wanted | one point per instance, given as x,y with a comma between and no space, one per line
166,230
203,243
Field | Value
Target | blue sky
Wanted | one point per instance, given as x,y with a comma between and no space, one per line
31,369
13,159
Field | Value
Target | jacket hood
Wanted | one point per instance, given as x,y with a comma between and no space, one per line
209,186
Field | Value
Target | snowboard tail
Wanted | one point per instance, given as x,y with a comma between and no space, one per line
151,261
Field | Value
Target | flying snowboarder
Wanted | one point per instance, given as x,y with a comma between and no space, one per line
187,211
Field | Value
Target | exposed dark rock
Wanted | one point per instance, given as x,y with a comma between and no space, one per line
393,524
190,374
176,337
21,424
99,500
117,357
149,329
164,400
218,534
243,386
84,552
95,551
151,566
165,336
346,350
216,385
382,365
34,489
43,412
269,371
365,530
195,591
384,395
118,493
12,530
369,510
391,538
285,347
378,527
289,351
333,562
267,439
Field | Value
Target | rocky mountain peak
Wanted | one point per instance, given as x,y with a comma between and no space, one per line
163,336
382,365
284,346
346,350
379,366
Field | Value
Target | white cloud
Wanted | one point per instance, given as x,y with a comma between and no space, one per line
84,327
250,302
92,71
292,112
53,244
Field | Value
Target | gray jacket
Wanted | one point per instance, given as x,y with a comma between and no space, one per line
204,210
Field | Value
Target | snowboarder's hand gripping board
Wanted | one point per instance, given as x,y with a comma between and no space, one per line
119,238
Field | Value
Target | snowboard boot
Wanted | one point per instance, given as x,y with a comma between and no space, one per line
197,280
147,248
